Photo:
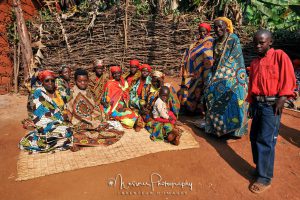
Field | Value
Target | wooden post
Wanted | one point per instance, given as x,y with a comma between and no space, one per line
126,23
16,66
24,39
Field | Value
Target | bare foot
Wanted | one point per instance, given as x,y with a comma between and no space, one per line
138,129
171,137
232,139
178,123
176,142
152,138
74,148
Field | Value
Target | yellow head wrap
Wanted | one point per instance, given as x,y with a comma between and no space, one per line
228,23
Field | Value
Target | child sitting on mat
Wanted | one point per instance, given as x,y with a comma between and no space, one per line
160,112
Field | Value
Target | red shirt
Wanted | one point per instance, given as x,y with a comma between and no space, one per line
272,75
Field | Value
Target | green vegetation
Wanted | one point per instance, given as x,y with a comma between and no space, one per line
274,14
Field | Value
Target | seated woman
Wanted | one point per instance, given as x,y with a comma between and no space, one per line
97,80
136,91
116,100
90,128
152,91
134,74
50,129
197,61
160,130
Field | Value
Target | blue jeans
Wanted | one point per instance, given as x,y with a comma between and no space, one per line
263,137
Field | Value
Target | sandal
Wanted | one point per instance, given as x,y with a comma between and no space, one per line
258,188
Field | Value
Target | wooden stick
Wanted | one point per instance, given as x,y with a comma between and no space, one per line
24,39
15,61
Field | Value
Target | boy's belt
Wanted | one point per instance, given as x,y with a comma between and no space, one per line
265,98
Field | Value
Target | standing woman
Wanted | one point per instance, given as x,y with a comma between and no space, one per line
197,61
226,91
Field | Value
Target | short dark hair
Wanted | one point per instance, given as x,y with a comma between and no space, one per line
163,89
264,32
63,68
80,72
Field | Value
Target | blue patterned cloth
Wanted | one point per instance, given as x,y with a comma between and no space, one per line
51,132
134,97
226,92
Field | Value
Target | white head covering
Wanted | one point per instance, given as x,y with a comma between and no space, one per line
158,74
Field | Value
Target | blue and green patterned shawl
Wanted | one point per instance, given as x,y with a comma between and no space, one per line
134,97
51,132
226,92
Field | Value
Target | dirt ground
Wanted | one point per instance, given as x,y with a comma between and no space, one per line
217,169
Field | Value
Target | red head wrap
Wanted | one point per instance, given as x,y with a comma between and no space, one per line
135,63
206,26
115,69
45,73
148,67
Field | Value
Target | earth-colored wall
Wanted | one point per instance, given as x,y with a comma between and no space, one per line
6,64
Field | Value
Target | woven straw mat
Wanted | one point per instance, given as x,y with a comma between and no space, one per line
131,145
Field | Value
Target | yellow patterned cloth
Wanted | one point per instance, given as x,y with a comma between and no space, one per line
97,85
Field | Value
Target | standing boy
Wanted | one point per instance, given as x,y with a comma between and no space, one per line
272,81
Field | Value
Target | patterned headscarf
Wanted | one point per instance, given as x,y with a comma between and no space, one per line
228,22
45,73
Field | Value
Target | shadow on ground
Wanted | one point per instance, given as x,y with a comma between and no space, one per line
221,145
289,134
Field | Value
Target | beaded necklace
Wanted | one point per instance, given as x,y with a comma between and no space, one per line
219,47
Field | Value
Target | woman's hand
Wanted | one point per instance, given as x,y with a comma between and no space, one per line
105,104
67,116
145,110
121,110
